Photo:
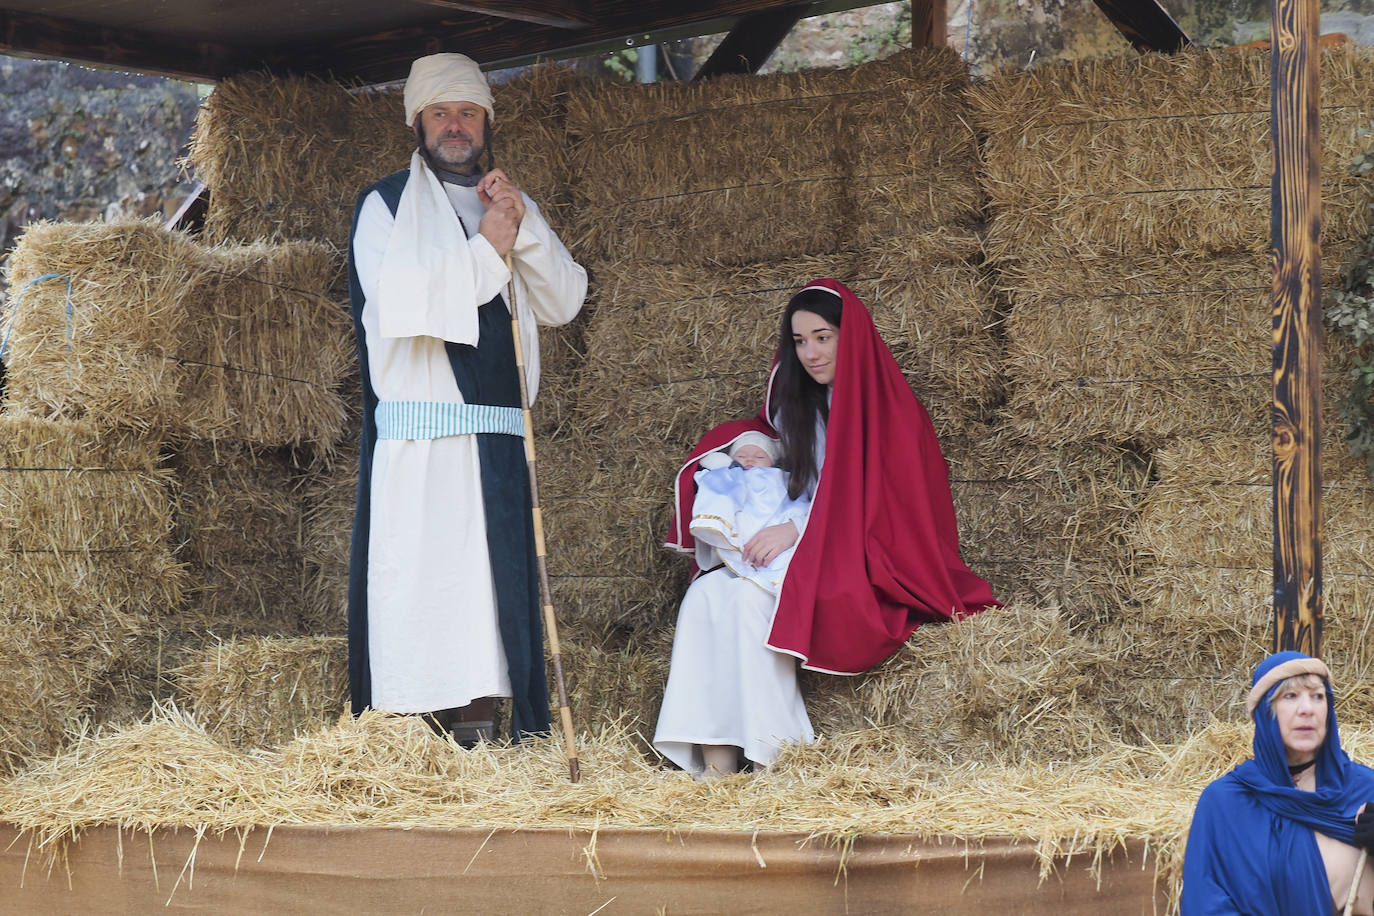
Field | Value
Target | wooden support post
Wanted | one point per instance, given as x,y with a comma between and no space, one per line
1296,227
929,23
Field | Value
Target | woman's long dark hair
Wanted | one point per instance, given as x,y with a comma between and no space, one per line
799,400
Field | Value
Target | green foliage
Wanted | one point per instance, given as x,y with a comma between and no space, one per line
883,42
622,63
1221,24
1349,310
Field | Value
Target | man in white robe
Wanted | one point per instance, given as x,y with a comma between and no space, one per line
444,610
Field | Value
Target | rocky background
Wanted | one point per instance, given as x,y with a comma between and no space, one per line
78,144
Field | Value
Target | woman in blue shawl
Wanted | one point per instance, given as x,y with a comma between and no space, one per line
1277,836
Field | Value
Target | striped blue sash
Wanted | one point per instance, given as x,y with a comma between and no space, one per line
436,419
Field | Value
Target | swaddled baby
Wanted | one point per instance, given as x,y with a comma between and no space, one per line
740,492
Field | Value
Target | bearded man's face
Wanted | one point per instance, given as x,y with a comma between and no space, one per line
453,134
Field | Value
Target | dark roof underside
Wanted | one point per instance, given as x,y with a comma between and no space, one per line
368,41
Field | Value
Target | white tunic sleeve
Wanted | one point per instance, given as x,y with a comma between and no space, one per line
555,284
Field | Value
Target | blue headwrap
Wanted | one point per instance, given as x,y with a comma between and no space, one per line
1251,848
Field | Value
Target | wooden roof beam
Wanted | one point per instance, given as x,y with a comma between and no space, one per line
1146,25
561,14
751,42
53,38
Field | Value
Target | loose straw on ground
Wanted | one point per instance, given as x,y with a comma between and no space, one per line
383,770
545,594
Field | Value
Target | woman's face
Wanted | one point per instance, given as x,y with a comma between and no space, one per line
1301,712
817,342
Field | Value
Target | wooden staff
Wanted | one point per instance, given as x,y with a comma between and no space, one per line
1355,883
550,625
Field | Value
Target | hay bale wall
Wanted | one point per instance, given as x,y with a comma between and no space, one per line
145,329
87,572
1205,532
270,349
1129,207
1157,154
1129,204
285,159
203,363
1067,358
738,170
262,691
1048,525
239,524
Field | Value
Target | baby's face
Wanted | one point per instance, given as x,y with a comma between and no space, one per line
751,456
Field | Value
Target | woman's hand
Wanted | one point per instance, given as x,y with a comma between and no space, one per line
764,547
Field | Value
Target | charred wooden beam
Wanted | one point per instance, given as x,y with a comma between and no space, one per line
751,42
1296,226
1146,24
561,14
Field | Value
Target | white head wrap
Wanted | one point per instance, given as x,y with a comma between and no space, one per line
769,445
446,78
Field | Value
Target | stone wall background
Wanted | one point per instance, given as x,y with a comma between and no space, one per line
78,144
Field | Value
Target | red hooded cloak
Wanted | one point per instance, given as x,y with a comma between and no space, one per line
880,554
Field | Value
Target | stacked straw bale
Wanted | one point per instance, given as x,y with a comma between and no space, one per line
160,334
531,142
282,158
1145,349
1205,536
1048,524
562,355
285,158
263,691
101,346
269,348
1160,154
239,523
606,510
615,681
1130,224
84,525
741,169
674,350
329,497
1011,685
687,172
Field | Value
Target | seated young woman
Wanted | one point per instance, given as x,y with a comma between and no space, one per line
876,556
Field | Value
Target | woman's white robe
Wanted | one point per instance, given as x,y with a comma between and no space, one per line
725,686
